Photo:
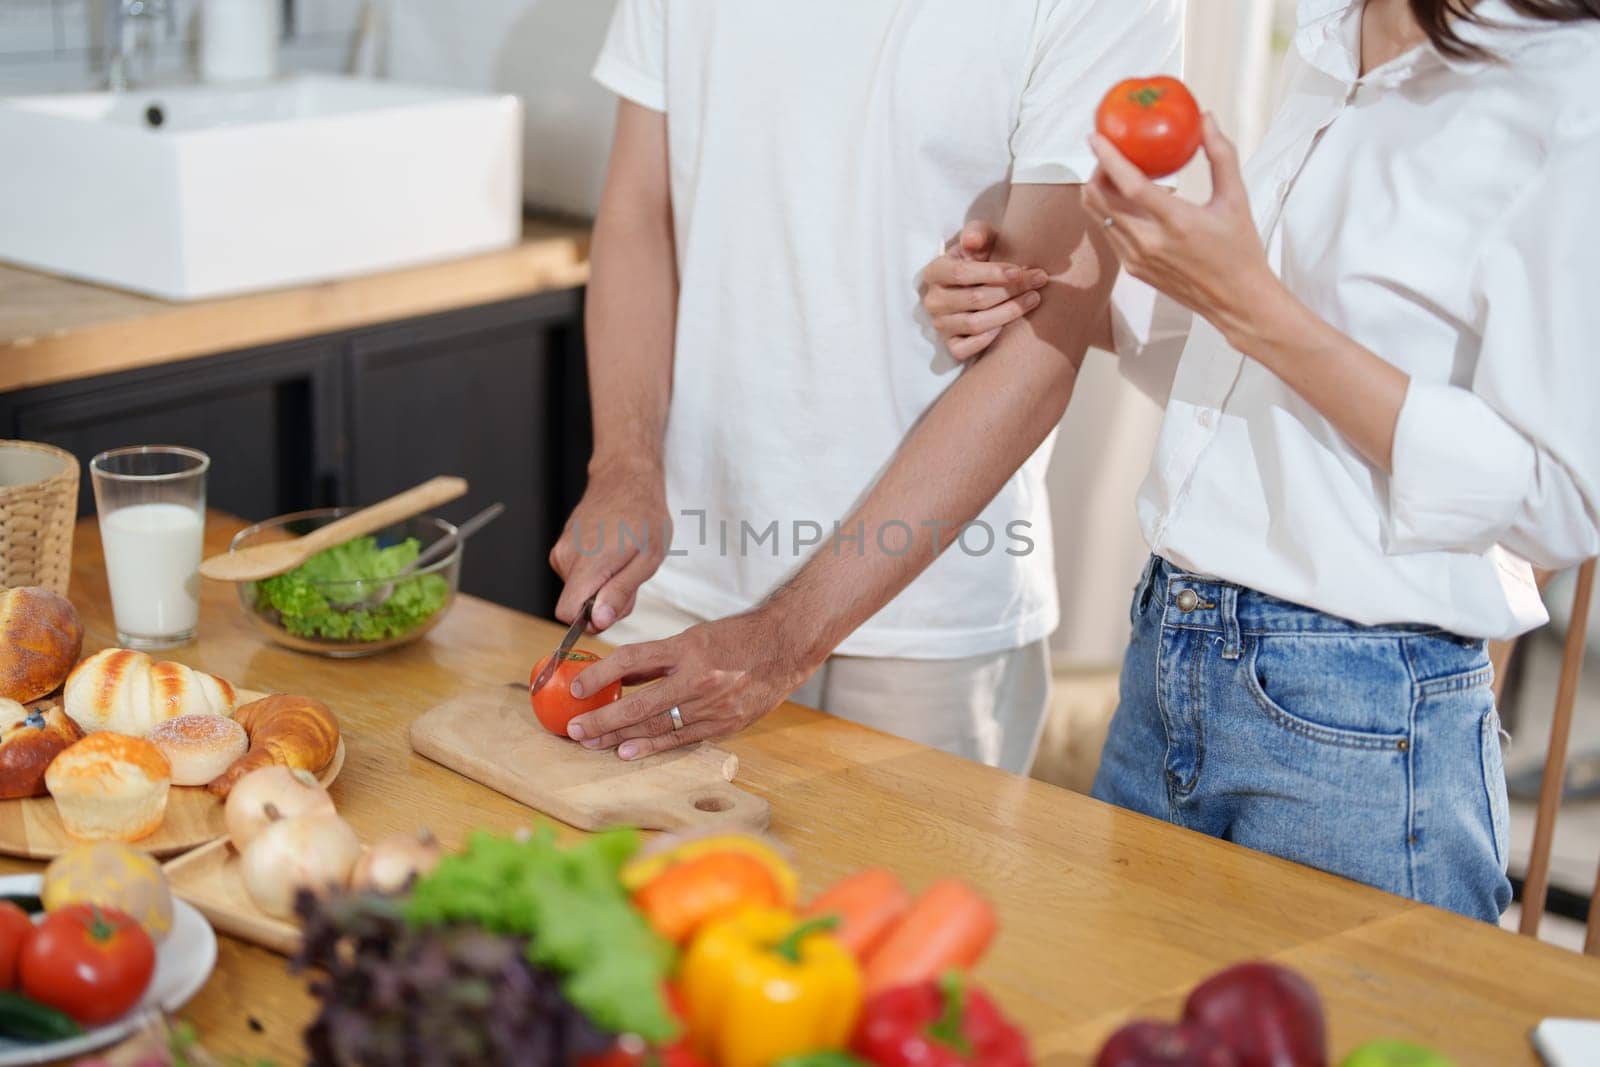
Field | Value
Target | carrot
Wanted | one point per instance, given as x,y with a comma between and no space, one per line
948,928
868,903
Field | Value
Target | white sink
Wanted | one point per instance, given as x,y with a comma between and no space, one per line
238,189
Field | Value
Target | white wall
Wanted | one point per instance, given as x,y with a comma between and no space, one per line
51,45
541,50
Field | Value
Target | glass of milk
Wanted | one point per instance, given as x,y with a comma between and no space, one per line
152,505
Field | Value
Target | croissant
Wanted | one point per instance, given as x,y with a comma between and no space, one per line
295,732
127,692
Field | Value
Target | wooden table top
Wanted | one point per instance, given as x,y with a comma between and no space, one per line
54,329
1105,915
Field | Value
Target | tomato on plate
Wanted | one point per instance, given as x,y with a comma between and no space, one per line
554,704
15,926
90,962
1155,122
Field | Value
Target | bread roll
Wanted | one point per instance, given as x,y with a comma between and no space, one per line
199,747
40,638
29,740
109,787
295,732
127,692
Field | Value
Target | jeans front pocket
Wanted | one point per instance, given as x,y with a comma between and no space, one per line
1494,782
1352,692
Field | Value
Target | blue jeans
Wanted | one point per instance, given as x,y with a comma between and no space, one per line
1370,752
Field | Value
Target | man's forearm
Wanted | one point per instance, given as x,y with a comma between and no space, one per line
631,312
962,452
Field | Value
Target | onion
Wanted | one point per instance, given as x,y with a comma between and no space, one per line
314,851
291,792
390,865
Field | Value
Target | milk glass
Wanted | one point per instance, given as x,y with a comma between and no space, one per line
152,504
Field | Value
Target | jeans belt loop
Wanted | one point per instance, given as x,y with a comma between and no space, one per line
1147,581
1232,642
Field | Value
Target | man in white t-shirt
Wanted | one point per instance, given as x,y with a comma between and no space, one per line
854,520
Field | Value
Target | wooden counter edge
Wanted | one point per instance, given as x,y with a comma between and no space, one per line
549,257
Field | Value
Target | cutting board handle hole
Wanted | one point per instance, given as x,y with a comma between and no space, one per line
712,803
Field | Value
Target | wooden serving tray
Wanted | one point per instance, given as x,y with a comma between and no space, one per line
31,829
208,878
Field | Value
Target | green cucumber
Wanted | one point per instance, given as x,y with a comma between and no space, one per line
27,902
27,1020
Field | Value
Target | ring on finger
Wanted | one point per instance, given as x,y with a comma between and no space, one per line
677,718
1109,222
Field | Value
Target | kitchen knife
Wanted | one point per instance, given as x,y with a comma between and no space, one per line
578,626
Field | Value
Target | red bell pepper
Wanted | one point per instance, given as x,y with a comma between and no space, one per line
942,1023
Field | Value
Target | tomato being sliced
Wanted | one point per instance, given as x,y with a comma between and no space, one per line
90,962
15,927
1155,122
554,704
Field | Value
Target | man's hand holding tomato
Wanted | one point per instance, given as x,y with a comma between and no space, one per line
721,676
553,703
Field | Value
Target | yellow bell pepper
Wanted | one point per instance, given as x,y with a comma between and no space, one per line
761,985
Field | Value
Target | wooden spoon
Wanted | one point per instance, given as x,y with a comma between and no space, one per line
263,561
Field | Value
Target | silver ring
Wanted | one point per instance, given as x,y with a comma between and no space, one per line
677,718
1109,222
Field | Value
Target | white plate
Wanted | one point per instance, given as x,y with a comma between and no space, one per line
183,963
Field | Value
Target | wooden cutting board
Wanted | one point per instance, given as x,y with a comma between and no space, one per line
489,734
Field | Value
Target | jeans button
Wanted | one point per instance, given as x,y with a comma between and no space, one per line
1188,600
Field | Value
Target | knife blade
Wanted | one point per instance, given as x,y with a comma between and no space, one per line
579,624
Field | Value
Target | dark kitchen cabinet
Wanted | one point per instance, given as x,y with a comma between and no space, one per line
497,394
477,394
267,418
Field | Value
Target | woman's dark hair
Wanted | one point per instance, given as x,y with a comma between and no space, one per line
1440,19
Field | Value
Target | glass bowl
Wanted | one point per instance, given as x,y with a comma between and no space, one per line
316,608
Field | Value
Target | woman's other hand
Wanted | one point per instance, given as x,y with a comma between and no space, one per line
970,299
1208,257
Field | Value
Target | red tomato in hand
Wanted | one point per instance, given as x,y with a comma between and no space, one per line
15,926
91,962
1155,122
555,705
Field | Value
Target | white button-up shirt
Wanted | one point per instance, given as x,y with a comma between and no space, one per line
1446,215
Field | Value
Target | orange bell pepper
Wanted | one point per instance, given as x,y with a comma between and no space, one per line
685,896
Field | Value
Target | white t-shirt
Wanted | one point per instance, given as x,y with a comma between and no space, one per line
821,153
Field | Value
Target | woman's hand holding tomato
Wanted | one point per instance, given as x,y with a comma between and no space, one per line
1208,257
90,962
554,704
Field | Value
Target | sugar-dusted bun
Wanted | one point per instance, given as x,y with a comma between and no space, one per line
127,692
199,747
109,787
29,740
40,638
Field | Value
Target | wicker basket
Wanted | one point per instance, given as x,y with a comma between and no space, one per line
38,506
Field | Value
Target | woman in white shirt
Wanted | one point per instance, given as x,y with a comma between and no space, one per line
1376,348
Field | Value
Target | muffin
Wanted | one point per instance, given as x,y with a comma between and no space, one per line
199,747
109,787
